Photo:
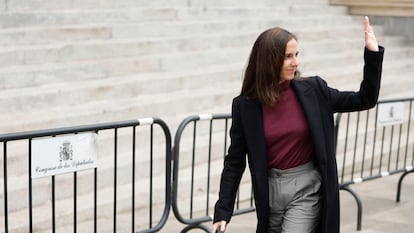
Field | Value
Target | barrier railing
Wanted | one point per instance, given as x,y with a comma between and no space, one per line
131,176
200,144
375,143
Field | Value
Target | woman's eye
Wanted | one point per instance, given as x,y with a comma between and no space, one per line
291,55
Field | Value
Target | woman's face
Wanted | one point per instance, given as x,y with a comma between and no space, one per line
291,62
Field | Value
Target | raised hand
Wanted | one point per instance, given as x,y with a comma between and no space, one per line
370,39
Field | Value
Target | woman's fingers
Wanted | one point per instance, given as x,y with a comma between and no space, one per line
370,39
219,226
366,23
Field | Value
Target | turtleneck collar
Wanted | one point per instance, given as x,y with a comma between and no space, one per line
285,85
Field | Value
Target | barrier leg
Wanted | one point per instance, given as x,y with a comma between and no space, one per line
200,226
359,205
400,184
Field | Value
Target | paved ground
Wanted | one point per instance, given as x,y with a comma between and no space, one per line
381,214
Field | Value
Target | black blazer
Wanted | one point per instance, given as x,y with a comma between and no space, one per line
319,102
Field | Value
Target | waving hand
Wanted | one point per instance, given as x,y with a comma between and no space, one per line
370,39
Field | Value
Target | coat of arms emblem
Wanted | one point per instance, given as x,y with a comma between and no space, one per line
66,151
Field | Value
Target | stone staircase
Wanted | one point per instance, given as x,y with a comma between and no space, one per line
68,65
66,62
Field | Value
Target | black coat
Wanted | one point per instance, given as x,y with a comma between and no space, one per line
319,102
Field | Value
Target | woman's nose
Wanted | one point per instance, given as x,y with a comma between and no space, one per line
295,61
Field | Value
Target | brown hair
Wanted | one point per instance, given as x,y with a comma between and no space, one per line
262,74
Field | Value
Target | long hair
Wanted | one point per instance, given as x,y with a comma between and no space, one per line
262,74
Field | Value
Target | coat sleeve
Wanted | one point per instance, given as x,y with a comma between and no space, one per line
367,96
234,166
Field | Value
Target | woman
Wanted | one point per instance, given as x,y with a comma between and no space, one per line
285,126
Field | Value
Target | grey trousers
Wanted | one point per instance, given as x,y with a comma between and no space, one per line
294,199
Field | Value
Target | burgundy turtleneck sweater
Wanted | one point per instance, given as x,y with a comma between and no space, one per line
287,135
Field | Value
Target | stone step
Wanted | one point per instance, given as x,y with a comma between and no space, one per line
393,40
91,16
225,12
235,25
41,5
338,32
46,35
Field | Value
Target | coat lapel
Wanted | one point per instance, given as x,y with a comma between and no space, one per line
310,105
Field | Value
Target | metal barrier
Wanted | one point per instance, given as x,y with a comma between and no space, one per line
375,143
128,180
200,144
371,144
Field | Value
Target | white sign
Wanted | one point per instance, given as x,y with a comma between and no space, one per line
63,154
390,113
